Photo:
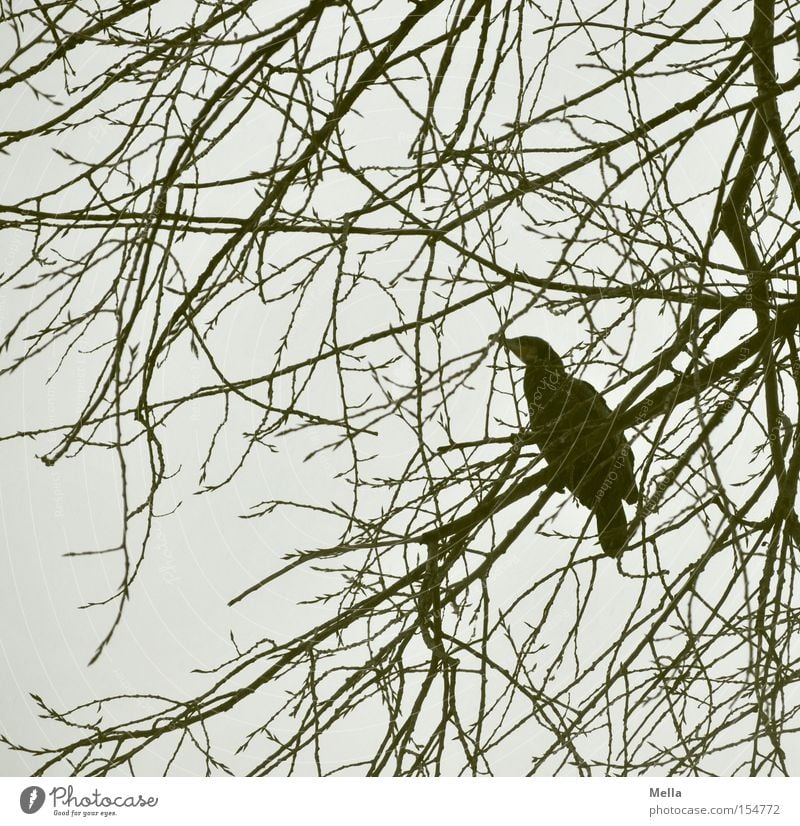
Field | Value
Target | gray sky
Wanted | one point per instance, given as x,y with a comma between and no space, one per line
202,553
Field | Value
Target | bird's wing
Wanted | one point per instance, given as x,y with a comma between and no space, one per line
564,412
590,408
632,493
588,404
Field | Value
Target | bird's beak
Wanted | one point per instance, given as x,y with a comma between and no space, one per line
514,345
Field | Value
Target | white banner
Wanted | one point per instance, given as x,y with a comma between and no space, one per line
402,802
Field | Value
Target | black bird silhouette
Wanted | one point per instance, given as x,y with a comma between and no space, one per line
569,423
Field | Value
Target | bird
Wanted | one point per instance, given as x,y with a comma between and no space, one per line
570,424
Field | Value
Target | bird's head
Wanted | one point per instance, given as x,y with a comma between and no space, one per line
533,351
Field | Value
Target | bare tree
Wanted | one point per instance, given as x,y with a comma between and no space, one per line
384,187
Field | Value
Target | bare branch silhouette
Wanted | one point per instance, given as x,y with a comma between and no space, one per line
310,228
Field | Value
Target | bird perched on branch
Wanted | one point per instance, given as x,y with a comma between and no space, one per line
571,425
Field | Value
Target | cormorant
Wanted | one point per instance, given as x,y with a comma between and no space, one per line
567,418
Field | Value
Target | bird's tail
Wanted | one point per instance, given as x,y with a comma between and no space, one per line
612,526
